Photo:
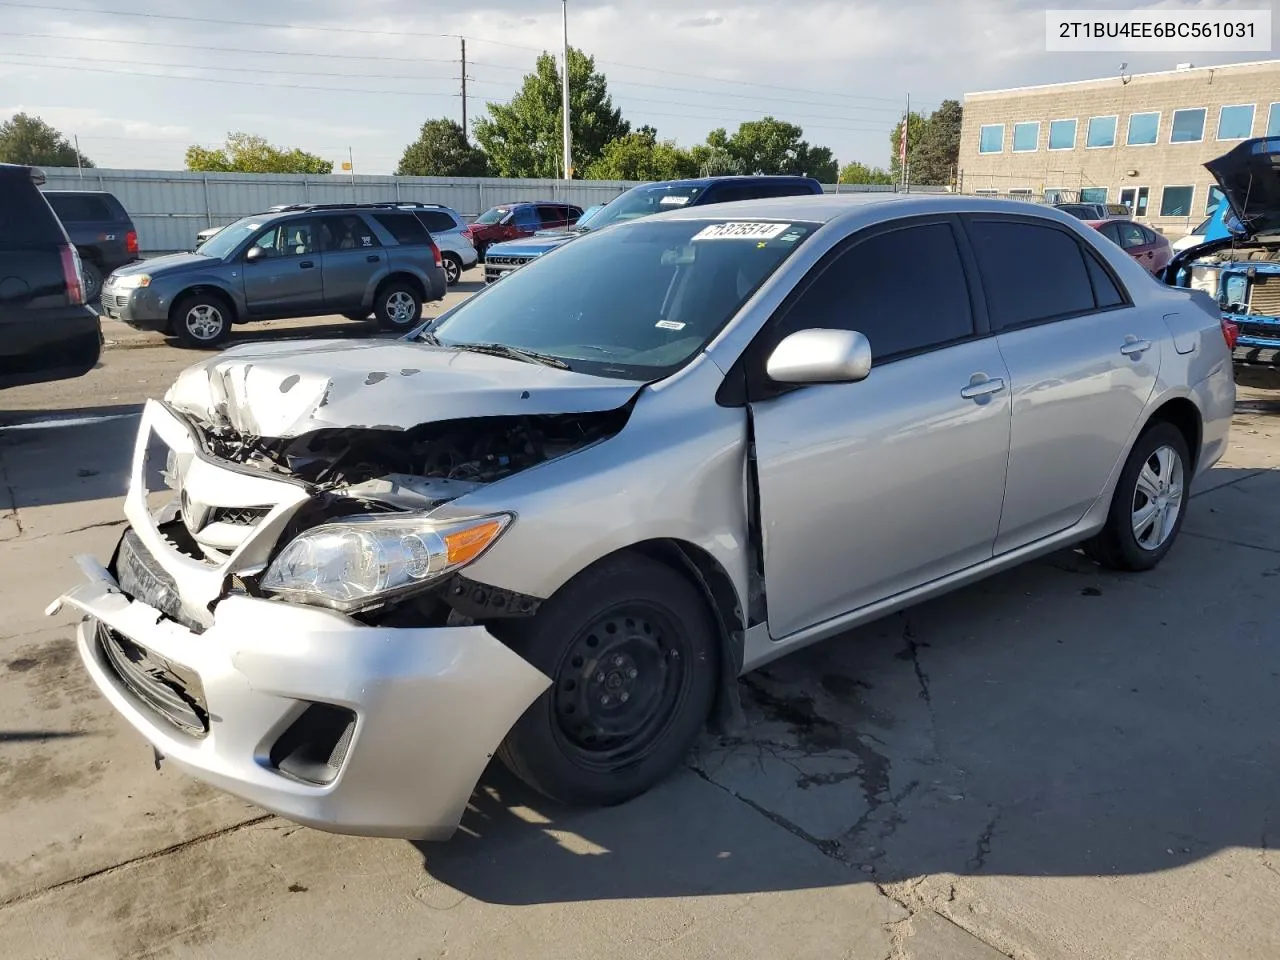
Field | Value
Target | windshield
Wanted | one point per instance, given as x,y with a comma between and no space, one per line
634,303
229,237
642,201
492,215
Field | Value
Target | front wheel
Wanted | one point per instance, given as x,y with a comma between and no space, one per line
398,306
630,647
1149,503
202,322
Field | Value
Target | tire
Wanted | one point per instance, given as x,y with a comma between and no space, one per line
1157,474
92,280
629,630
398,306
202,321
452,268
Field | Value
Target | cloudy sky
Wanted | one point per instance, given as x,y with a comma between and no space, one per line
139,80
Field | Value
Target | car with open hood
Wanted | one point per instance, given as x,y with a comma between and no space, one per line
556,523
642,201
1238,262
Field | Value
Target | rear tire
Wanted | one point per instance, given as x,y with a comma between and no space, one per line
398,306
202,321
631,650
1149,504
452,268
92,280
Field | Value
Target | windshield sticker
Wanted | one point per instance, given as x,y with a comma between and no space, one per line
673,201
791,237
742,231
669,325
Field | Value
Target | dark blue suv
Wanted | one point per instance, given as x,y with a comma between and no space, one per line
641,201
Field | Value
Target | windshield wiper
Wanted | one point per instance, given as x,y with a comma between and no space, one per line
429,338
512,353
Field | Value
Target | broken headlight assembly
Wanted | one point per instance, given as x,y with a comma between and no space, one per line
354,563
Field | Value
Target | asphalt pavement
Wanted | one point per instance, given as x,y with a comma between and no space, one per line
1056,763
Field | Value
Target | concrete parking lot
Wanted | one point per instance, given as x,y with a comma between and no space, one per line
1056,763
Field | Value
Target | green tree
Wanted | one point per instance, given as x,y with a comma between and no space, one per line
861,173
244,153
641,156
774,146
29,140
523,137
933,145
442,150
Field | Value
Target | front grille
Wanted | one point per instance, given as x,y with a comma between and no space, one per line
1264,295
504,261
238,516
167,689
115,300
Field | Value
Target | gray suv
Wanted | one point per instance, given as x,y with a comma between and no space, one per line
304,260
446,225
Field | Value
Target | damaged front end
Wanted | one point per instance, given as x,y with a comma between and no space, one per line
295,620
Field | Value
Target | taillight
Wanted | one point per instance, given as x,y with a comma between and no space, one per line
71,274
435,252
131,242
1230,333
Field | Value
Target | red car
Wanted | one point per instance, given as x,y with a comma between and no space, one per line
508,221
1146,246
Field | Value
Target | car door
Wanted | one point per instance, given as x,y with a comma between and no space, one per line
286,278
868,489
1137,242
350,256
1082,363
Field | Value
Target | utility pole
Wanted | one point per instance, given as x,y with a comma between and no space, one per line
564,85
906,148
79,167
351,165
465,135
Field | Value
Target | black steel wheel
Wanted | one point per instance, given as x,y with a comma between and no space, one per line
631,649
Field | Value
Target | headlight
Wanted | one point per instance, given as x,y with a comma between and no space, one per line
352,563
132,281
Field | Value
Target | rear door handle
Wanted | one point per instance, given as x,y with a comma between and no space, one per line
373,258
307,264
982,388
1133,347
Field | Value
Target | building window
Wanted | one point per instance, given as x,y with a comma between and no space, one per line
991,138
1273,121
986,192
1144,129
1188,125
1176,201
1026,136
1062,134
1020,192
1235,123
1214,198
1056,195
1101,133
1093,195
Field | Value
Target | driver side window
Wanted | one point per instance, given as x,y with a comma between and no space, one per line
289,239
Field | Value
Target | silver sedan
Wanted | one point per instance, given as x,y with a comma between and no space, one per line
557,522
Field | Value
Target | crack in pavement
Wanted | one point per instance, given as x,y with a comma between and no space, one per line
133,861
1229,542
983,849
912,652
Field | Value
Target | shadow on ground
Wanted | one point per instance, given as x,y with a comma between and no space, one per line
1056,720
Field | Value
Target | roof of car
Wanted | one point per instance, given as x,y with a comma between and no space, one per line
728,178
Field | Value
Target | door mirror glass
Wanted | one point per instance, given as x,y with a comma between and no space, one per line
820,356
255,254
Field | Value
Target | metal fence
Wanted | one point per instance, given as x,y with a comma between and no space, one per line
170,207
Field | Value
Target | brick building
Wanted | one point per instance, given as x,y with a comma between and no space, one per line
1140,140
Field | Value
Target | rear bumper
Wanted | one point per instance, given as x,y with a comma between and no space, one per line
427,707
49,344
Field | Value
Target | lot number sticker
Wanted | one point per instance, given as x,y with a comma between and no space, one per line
742,231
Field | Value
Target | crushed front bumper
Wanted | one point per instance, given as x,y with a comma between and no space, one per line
378,731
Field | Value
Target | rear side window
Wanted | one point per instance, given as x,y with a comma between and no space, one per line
346,231
437,221
878,288
80,208
1105,292
1031,273
405,227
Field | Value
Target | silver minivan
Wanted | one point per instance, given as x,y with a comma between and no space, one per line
556,523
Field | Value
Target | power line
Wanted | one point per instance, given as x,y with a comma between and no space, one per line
436,36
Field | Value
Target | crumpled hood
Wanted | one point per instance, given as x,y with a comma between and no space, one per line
536,245
284,390
170,262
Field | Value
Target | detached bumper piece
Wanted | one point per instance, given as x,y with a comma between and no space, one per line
173,692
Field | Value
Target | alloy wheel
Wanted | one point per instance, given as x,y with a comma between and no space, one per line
401,308
1157,498
204,322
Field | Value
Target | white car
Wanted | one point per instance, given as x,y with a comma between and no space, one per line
1194,238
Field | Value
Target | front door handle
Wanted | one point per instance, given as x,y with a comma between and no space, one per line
982,388
1133,347
307,264
373,258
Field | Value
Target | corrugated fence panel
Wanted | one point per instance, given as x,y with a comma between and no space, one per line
170,207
